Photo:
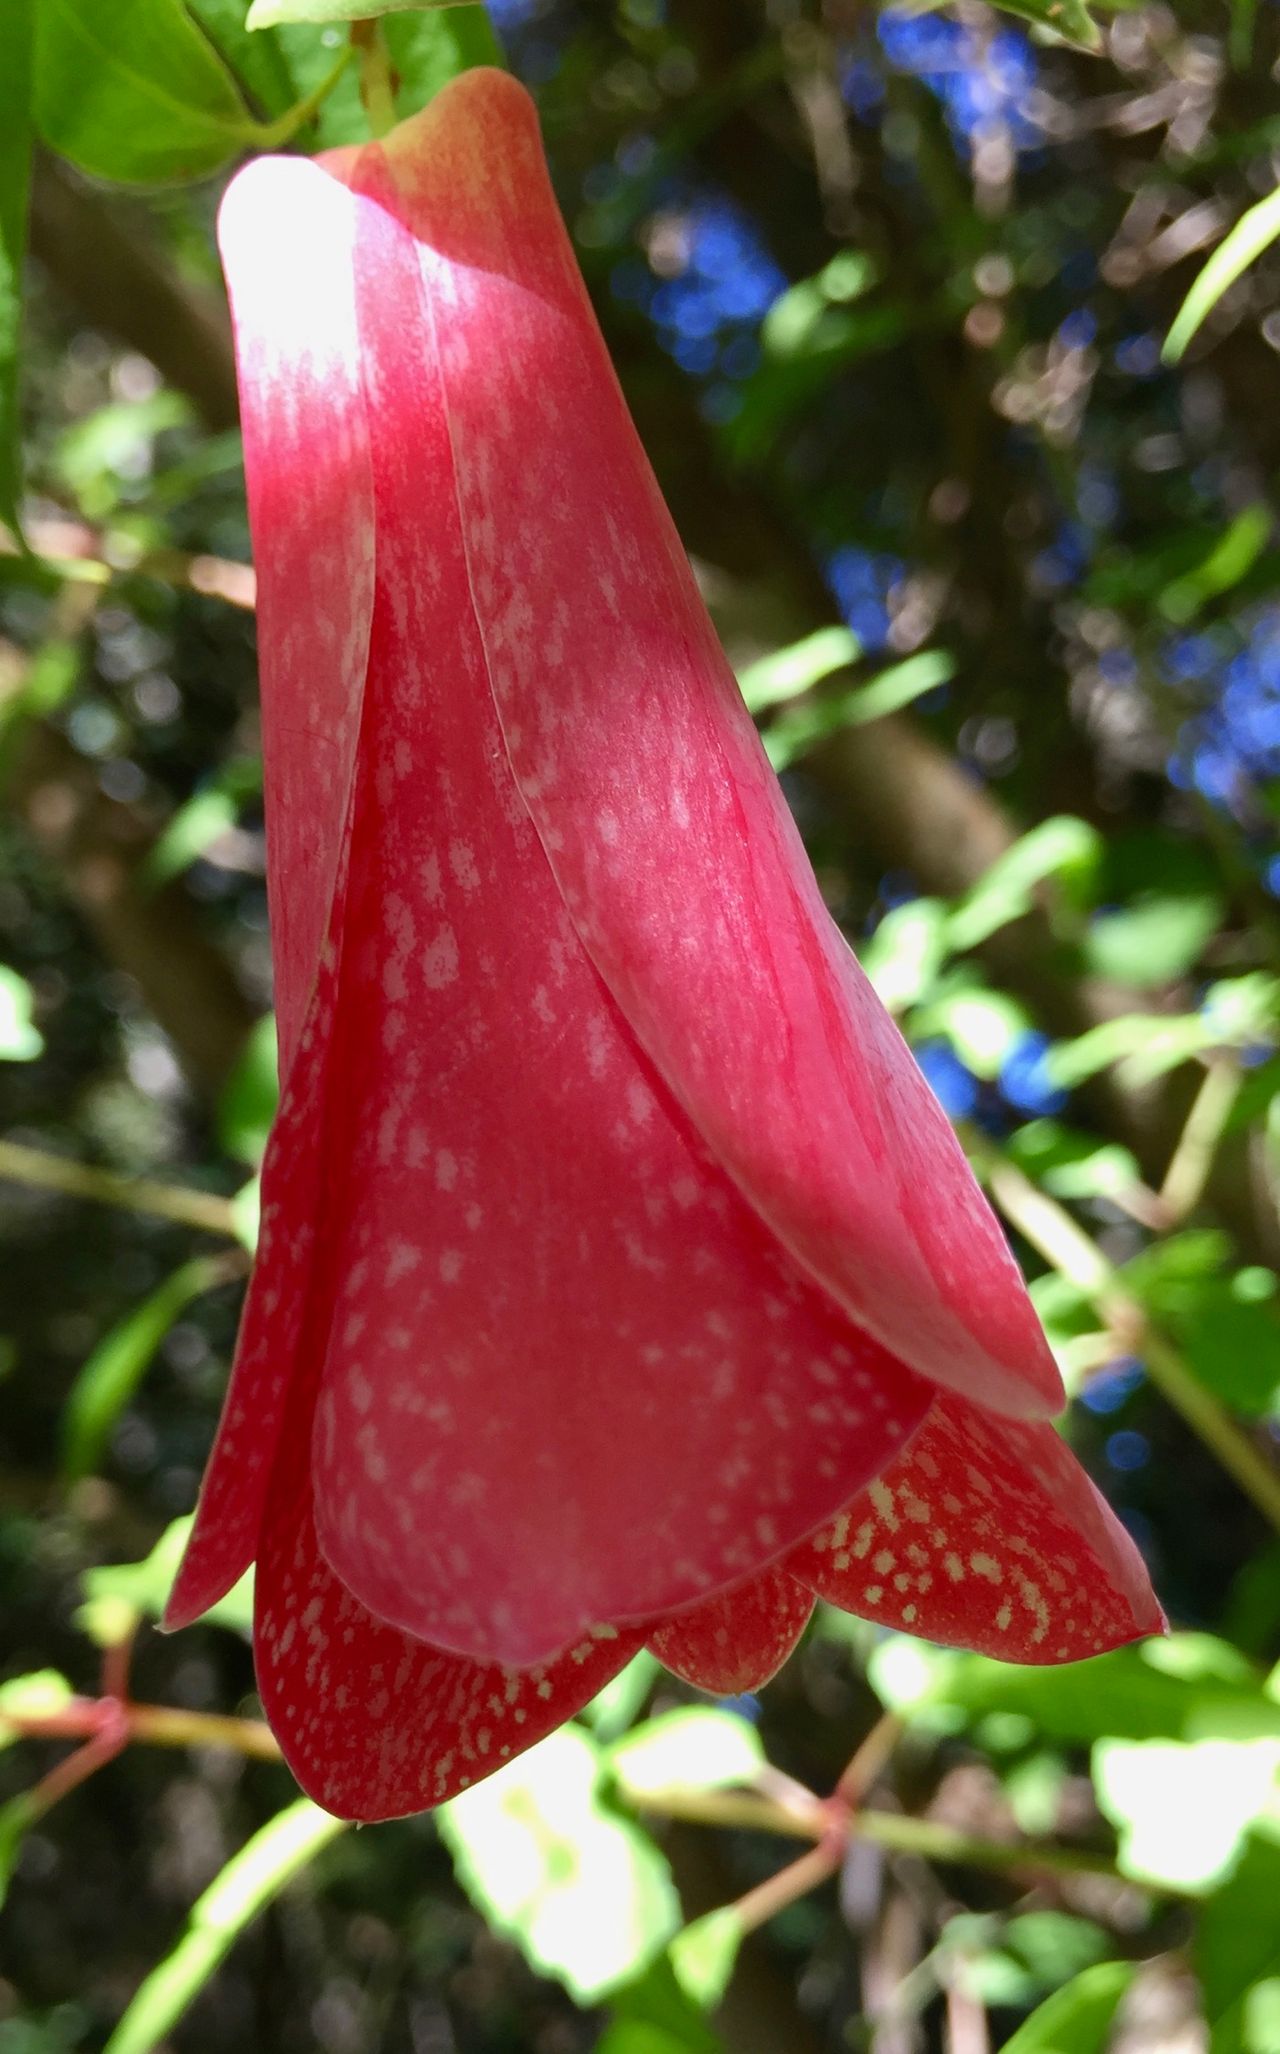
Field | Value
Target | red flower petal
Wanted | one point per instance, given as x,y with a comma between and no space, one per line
550,1313
669,837
373,1723
738,1641
986,1534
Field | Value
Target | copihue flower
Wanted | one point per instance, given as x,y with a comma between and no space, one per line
620,1279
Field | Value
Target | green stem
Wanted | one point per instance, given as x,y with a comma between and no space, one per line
45,1172
1068,1249
272,134
1192,1159
377,88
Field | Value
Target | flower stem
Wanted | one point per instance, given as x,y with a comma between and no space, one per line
1192,1159
377,85
187,1208
287,125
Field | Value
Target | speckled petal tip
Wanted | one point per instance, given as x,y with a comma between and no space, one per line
736,1642
986,1534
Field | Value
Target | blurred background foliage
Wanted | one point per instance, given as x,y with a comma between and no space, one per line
891,296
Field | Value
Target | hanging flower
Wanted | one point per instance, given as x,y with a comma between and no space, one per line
620,1280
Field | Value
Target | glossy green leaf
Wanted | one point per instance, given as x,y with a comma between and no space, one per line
263,1867
117,1365
905,954
1076,2019
265,14
787,673
1188,1687
250,1096
20,1039
1237,1950
829,714
135,92
1069,19
654,2014
699,1747
584,1893
1063,848
16,136
144,1586
1223,1787
1253,233
704,1954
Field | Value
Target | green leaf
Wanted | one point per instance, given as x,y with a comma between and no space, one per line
1224,566
274,1856
1076,2019
620,1703
654,2014
1069,19
265,14
31,1697
1062,847
251,1094
1227,1324
20,1039
135,91
1188,1687
115,1368
144,1586
1253,233
699,1747
209,813
984,1027
1223,1787
705,1953
892,689
1071,1164
1153,941
1237,1951
16,137
787,673
905,954
15,1817
585,1894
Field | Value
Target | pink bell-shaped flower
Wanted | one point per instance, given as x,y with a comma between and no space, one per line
620,1279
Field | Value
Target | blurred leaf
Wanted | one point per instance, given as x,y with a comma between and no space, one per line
983,1026
16,136
135,92
20,1039
1189,1687
802,729
906,952
1151,942
620,1703
1070,1164
1237,1949
251,1094
115,1368
265,14
15,1817
1222,1786
786,673
145,1585
207,814
655,2015
1069,19
699,1747
263,1867
1238,1012
260,62
1224,566
1253,233
1063,847
100,454
246,1208
1076,2019
807,318
31,1697
1226,1323
585,1894
705,1953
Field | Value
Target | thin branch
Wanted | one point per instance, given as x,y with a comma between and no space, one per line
1193,1158
44,1172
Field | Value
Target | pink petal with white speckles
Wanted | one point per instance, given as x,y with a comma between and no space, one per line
986,1534
568,1374
311,507
736,1642
670,840
372,1723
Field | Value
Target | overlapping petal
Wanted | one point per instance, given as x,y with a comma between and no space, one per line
736,1642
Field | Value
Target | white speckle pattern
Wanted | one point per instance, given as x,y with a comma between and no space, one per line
736,1642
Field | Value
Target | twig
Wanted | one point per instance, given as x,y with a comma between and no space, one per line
88,556
46,1172
1193,1158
